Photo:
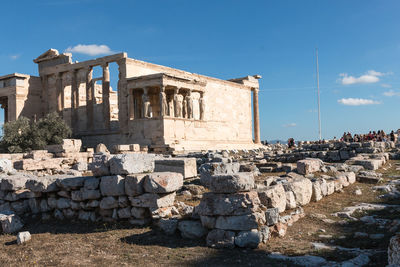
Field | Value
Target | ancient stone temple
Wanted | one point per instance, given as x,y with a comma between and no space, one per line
155,106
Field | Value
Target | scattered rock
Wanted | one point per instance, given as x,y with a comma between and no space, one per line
23,237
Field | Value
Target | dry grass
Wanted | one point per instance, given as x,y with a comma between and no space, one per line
78,243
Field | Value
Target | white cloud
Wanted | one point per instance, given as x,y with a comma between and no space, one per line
290,125
385,85
392,93
91,50
14,57
358,102
370,76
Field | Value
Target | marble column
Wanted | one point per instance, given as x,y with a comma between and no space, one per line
123,103
106,95
256,117
89,99
74,100
59,93
131,99
12,107
4,105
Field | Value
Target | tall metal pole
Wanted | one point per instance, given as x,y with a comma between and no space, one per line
319,104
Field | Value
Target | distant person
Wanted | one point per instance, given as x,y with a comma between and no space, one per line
291,142
344,137
392,137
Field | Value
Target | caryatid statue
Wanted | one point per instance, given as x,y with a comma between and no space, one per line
184,108
171,108
202,105
146,106
164,104
178,99
189,103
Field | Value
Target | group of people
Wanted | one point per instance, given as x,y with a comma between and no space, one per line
379,136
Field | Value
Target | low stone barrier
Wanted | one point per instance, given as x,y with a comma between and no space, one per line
330,152
134,197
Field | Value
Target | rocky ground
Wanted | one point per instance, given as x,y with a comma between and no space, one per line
319,233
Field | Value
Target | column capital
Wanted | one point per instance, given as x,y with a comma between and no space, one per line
88,69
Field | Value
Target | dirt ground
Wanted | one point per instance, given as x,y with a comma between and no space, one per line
77,243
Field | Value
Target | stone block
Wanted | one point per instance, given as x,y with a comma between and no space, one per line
132,163
316,191
42,184
185,166
70,183
10,223
149,200
208,221
124,213
91,183
13,182
302,190
307,166
100,165
273,197
394,251
87,216
37,165
90,194
191,229
342,177
218,238
232,183
120,148
108,203
228,204
163,182
68,146
63,203
6,166
207,170
134,184
290,200
369,164
240,223
112,185
248,239
330,187
139,213
134,147
168,226
272,216
80,166
20,207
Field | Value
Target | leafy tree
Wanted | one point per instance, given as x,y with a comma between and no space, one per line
23,135
52,129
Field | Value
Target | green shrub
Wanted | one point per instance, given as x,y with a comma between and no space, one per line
24,135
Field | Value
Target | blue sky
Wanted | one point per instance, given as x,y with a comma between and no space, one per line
358,42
